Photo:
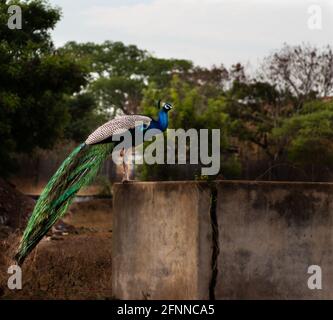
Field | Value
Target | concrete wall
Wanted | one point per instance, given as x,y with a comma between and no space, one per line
161,241
173,241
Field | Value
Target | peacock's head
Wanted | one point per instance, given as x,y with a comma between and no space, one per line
167,106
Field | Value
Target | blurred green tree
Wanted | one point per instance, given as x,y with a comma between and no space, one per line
120,73
34,81
255,109
84,117
192,110
308,136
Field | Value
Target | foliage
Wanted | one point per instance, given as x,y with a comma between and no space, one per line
255,109
46,94
192,109
308,137
121,73
84,117
34,81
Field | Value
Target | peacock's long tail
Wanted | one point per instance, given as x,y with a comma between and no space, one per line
78,170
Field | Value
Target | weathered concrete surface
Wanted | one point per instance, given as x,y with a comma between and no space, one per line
268,236
161,241
270,233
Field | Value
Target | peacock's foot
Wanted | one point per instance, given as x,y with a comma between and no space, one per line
125,180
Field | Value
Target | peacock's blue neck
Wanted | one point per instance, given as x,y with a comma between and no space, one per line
162,122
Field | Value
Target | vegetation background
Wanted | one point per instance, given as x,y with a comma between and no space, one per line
277,122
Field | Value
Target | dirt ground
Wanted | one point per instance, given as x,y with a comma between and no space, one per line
71,263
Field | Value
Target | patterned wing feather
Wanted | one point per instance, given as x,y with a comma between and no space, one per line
118,125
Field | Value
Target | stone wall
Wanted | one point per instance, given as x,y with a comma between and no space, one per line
222,240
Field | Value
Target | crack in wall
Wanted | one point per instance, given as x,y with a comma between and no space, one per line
215,242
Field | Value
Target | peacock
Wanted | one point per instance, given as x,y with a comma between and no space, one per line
78,170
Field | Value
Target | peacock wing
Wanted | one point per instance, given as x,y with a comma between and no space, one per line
118,125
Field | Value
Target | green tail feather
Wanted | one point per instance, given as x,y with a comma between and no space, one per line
78,170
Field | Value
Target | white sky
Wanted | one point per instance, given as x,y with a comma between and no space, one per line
204,31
